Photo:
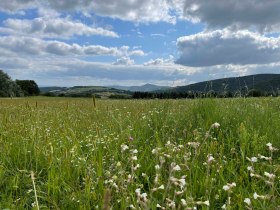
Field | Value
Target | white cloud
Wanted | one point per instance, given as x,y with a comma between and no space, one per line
52,27
32,46
13,6
160,61
124,61
223,47
136,10
261,15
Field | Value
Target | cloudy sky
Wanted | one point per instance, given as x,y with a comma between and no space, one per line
133,42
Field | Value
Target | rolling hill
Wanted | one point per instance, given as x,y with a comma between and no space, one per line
86,91
142,88
261,82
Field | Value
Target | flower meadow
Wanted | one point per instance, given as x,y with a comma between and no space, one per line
60,153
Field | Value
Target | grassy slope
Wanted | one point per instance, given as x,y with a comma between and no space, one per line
75,152
264,82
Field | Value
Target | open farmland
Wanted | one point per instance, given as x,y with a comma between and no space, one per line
139,154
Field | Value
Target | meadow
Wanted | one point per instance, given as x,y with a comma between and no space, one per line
62,153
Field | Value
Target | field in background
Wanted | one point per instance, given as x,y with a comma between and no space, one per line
59,153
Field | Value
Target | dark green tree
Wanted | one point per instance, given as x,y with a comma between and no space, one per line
29,87
8,88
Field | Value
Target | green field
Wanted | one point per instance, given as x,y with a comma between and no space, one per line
60,153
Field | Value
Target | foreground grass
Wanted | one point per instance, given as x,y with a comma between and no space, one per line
69,154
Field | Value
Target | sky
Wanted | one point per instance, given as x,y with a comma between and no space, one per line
134,42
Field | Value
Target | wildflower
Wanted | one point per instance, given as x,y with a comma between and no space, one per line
135,151
194,144
144,196
207,203
210,159
130,138
132,207
264,158
124,147
134,157
176,168
256,196
157,167
270,176
252,159
215,125
247,201
136,167
182,182
159,206
224,206
271,148
161,187
154,151
250,168
138,191
229,186
255,175
184,202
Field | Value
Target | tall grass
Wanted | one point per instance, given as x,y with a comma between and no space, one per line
146,154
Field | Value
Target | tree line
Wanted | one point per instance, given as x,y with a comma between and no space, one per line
18,88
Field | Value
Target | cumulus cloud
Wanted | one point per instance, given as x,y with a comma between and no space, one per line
13,6
124,61
160,61
136,10
52,27
33,46
223,47
261,15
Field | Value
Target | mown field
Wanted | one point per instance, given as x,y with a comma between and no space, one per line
60,153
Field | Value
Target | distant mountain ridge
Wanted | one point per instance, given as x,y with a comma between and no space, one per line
142,88
265,83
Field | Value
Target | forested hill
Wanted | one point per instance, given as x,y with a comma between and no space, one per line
260,82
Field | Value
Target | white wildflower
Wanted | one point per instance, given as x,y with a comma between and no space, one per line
194,144
252,159
247,201
161,187
138,191
264,158
270,176
176,168
210,159
250,168
157,167
271,148
269,144
132,207
135,151
134,157
215,125
207,203
229,186
124,147
184,202
256,196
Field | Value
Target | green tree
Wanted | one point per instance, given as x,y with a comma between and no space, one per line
8,88
29,87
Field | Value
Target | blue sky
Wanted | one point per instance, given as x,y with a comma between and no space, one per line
134,42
